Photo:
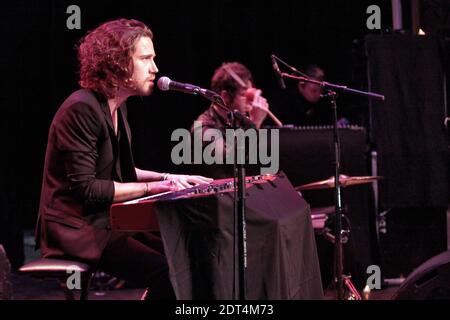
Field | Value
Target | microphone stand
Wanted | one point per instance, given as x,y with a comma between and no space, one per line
236,117
239,207
340,278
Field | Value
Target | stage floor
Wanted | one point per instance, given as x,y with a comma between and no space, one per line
27,288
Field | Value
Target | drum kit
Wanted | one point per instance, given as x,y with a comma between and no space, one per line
319,216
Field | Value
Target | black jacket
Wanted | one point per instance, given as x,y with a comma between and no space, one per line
77,188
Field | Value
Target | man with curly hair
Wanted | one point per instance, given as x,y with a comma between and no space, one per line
89,164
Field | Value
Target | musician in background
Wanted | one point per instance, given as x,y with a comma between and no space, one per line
234,82
301,104
89,164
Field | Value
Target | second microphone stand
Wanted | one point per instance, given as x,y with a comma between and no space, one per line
340,278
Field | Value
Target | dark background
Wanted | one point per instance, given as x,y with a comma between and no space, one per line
192,38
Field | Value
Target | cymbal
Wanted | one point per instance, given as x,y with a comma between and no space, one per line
344,179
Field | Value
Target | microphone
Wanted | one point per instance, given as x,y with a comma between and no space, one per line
277,72
165,84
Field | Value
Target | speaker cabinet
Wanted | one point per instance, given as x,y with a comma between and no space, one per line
430,281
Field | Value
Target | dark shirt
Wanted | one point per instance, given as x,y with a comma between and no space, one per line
120,149
211,119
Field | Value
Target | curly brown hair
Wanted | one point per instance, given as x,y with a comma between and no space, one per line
105,55
222,80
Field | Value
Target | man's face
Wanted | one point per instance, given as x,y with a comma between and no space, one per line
311,92
144,67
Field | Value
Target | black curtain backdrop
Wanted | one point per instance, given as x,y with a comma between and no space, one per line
408,128
412,144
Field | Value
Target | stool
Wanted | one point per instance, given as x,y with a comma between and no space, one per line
60,270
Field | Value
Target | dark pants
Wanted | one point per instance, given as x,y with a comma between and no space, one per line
139,258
